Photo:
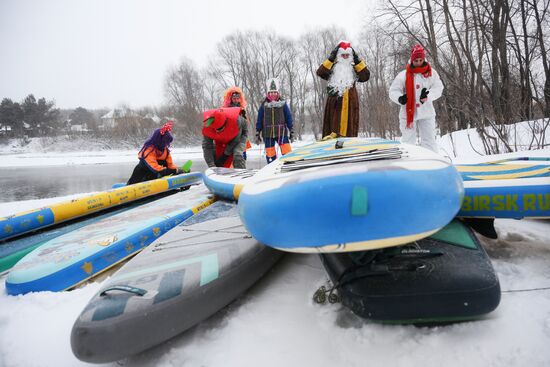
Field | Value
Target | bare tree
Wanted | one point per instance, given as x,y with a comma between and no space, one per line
315,45
185,94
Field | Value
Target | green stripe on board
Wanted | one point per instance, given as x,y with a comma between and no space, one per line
9,261
209,269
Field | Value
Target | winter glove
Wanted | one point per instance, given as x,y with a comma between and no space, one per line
166,172
333,53
291,137
402,99
258,137
178,171
356,59
186,168
220,161
424,95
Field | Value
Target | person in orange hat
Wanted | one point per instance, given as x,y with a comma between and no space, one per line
155,160
342,69
234,97
224,133
415,89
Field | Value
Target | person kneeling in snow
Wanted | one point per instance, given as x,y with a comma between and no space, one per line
155,160
274,123
415,89
224,137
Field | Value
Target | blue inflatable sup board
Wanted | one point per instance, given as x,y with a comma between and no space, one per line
227,183
506,189
20,223
350,194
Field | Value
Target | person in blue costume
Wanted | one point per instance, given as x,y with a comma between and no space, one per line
274,122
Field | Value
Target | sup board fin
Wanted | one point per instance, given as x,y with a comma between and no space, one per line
483,226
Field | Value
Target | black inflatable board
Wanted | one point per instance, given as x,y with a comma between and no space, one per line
442,278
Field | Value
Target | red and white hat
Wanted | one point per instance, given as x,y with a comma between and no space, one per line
345,47
167,127
418,52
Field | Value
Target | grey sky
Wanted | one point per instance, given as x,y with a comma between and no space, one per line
101,53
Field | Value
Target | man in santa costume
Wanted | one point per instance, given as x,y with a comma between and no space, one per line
342,69
415,89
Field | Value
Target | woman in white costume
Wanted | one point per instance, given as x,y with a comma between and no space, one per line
415,89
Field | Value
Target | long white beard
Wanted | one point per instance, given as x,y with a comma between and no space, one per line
343,76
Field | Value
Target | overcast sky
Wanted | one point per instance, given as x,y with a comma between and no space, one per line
102,53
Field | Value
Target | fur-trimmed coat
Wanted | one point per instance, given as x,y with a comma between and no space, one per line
332,121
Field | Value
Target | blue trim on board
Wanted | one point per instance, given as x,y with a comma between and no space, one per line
175,182
506,202
221,189
14,225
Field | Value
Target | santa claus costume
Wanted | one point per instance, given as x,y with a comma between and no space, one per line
342,69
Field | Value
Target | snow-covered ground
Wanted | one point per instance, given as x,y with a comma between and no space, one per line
276,322
467,146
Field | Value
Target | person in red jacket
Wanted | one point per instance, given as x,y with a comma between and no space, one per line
155,160
224,138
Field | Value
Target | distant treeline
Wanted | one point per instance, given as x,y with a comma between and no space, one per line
491,56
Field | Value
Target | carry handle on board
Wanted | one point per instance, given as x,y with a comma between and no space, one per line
125,288
186,168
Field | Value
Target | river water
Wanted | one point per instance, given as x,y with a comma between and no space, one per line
27,183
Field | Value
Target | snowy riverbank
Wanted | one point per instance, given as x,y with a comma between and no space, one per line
276,322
